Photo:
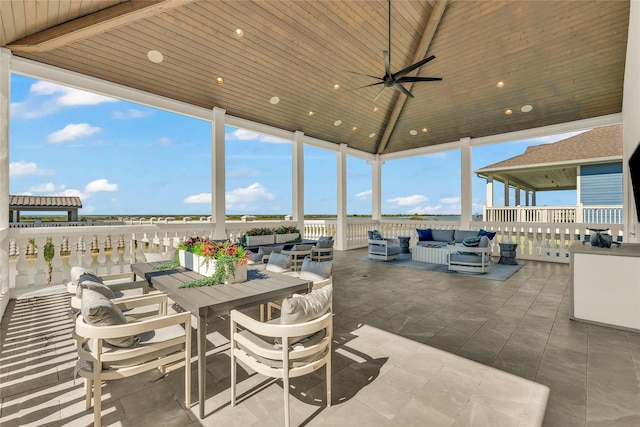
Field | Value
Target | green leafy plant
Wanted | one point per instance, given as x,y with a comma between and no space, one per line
286,230
49,252
227,257
260,231
175,262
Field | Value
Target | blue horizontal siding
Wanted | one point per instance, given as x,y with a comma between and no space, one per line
601,184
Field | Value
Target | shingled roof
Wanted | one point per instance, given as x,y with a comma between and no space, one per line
53,202
604,142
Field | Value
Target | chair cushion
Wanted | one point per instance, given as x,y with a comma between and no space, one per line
424,235
76,272
269,343
460,235
305,247
159,257
466,257
255,257
324,244
325,239
442,235
316,271
94,283
98,310
484,242
489,234
268,250
278,263
303,308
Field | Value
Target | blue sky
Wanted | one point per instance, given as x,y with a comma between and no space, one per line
127,159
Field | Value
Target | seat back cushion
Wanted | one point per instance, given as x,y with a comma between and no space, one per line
278,263
159,257
268,250
325,239
304,308
94,283
305,247
98,310
76,272
442,235
315,271
324,244
460,235
424,235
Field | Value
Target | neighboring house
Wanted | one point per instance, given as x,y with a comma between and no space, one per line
590,163
20,204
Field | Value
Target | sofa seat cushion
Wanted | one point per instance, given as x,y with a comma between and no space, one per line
466,258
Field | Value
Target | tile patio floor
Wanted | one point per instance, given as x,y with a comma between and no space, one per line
412,347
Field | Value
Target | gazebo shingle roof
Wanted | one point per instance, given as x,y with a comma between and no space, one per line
44,201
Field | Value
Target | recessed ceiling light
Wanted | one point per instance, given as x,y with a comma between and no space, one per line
337,123
219,80
274,100
354,128
375,109
413,132
424,130
509,111
238,32
526,108
500,84
336,86
371,135
155,56
311,113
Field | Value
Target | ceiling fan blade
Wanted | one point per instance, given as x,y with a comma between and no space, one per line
402,89
418,79
378,95
412,67
361,87
387,63
362,74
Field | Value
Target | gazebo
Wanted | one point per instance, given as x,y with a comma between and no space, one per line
19,204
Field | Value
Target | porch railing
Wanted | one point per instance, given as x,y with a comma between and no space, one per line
555,214
111,249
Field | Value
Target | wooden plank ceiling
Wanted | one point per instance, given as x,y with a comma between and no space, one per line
564,58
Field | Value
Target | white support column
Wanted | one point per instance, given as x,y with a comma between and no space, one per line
5,100
466,197
341,237
506,192
489,188
630,122
518,190
533,197
218,182
298,180
578,185
376,188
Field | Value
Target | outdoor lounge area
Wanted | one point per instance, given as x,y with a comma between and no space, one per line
442,349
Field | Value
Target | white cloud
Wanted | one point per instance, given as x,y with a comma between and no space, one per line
364,194
450,200
423,210
46,98
47,187
70,192
100,185
416,199
249,198
199,198
165,141
247,135
71,132
129,114
23,168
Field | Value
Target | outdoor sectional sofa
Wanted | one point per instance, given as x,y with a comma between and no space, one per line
460,250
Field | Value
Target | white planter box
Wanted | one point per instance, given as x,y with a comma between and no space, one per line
208,269
268,239
188,260
284,238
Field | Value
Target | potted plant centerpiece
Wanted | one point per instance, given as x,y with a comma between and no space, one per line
287,234
219,263
260,236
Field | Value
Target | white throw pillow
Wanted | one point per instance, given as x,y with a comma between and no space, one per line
303,308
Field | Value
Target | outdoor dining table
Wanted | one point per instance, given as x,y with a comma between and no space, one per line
262,286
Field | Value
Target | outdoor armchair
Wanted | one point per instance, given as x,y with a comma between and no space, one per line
384,249
111,347
121,284
297,344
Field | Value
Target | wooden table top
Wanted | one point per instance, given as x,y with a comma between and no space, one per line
262,286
